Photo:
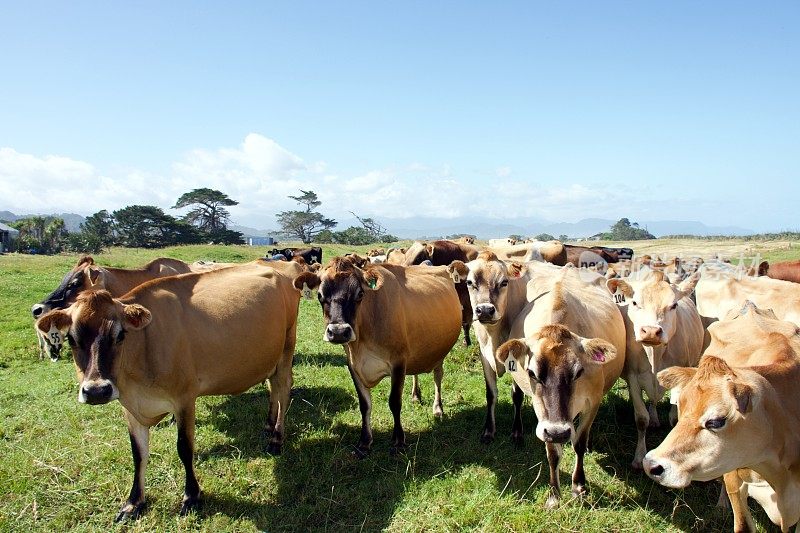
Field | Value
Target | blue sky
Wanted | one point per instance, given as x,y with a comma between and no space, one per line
563,111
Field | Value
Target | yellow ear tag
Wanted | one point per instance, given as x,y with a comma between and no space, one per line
307,292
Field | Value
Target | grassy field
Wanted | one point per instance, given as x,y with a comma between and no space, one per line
65,466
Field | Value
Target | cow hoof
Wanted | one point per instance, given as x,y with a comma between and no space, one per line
274,448
416,398
654,424
130,511
360,452
190,505
487,438
467,342
518,440
552,502
438,412
397,449
579,491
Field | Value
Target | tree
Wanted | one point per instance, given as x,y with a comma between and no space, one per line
44,235
304,225
375,230
209,213
563,237
544,237
147,226
353,235
623,230
97,231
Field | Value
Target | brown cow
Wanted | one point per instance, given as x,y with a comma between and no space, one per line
396,256
785,270
739,411
567,351
392,321
173,339
87,275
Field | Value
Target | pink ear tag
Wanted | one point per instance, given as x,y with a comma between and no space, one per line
599,356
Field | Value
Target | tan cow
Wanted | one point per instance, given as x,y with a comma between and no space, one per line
567,350
663,330
720,292
87,275
738,417
501,242
396,256
550,251
170,340
497,293
392,321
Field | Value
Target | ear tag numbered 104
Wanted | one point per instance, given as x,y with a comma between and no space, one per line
619,297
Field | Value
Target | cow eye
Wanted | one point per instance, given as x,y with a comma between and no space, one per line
359,296
470,283
633,303
674,306
532,375
579,373
504,283
121,336
70,340
715,423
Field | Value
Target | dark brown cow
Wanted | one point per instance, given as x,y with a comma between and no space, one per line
173,339
785,270
392,321
311,255
585,256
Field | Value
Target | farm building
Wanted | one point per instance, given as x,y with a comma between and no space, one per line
7,234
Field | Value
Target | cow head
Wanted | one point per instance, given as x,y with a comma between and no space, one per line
83,276
95,327
721,425
419,252
652,304
487,279
340,286
562,369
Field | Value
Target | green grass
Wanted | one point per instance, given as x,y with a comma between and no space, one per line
65,466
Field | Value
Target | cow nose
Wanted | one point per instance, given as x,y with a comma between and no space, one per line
339,333
37,310
97,393
557,436
484,312
656,471
650,334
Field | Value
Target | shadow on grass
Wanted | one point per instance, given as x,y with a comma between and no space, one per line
321,486
320,359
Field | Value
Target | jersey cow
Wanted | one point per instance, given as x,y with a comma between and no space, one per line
738,418
566,352
786,270
550,251
159,347
87,275
663,329
392,321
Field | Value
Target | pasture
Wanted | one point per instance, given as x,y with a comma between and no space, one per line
67,467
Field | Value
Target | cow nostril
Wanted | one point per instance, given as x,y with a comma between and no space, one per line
36,311
657,470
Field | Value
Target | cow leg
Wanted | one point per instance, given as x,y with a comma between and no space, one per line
737,493
517,396
554,452
651,410
642,419
280,388
41,345
395,405
438,373
416,393
673,415
490,377
140,449
191,491
465,327
365,406
580,444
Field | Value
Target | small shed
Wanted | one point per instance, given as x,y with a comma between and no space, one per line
7,234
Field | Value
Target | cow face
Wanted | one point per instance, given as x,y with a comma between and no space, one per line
718,428
652,305
95,327
82,277
561,369
487,280
341,286
419,252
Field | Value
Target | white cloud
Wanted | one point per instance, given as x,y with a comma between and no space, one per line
260,174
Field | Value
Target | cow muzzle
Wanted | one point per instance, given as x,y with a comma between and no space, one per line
97,392
486,313
339,333
556,433
650,335
665,472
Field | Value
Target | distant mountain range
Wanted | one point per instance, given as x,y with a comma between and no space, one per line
483,228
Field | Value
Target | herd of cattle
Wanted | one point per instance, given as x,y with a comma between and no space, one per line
564,321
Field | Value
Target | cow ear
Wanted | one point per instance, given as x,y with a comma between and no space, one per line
57,318
515,269
511,354
85,260
620,290
687,286
96,277
373,279
307,283
763,268
136,316
430,248
675,377
457,270
743,395
598,350
359,261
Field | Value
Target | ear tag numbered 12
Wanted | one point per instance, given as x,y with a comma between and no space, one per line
308,294
511,364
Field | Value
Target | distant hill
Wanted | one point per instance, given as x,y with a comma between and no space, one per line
72,221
